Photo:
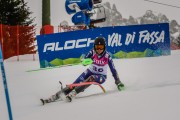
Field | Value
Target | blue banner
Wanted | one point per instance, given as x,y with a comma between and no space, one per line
122,42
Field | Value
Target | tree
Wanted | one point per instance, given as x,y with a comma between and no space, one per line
16,20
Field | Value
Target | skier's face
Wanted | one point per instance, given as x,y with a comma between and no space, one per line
99,49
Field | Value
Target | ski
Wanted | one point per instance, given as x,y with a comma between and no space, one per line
66,98
62,97
43,101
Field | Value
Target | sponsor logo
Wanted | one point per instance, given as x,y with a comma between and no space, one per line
70,44
100,62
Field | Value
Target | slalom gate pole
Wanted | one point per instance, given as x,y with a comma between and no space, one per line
5,86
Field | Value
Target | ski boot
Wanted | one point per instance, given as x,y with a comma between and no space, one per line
53,98
71,95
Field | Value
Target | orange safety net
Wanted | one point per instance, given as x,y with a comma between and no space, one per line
17,40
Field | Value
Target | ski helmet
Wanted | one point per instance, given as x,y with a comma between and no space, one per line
100,41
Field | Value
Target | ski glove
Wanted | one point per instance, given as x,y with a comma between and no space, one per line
119,84
87,61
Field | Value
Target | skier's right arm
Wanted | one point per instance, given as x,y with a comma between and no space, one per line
89,54
86,57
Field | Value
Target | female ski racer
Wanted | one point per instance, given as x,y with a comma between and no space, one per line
97,72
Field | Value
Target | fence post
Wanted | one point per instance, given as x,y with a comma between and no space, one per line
17,37
59,28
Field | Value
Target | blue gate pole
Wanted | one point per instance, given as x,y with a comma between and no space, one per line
5,86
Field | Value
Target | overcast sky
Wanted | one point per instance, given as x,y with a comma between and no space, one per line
136,8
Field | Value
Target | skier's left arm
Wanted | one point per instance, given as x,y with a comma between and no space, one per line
115,74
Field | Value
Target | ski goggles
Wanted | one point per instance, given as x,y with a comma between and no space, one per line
99,47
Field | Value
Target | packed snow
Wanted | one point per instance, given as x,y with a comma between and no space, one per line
152,91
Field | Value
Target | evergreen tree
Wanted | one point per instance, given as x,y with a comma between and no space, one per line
18,28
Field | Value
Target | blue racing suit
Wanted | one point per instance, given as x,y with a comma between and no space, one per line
98,69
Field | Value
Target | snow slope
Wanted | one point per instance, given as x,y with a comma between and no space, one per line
152,91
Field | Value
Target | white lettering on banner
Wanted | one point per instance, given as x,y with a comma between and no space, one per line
114,40
151,38
57,47
70,44
80,41
49,46
130,38
89,42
